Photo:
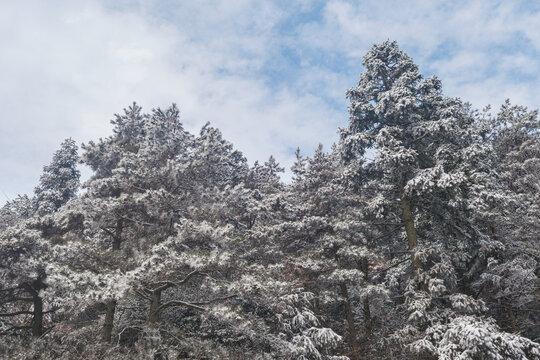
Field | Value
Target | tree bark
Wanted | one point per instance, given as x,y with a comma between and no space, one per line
410,229
109,321
37,312
37,323
367,312
368,324
110,306
117,238
153,316
350,322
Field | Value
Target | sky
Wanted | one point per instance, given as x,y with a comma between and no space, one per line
271,75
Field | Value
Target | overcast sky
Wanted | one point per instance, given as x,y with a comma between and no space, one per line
271,75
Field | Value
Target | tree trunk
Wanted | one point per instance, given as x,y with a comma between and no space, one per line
368,324
117,238
109,321
37,323
37,313
153,316
410,229
110,306
367,312
350,322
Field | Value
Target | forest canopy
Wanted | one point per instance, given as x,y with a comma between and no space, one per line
416,236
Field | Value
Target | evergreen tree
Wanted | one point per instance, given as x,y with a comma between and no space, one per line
19,209
60,180
415,238
423,170
507,208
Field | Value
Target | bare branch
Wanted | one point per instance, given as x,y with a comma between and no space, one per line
190,275
113,235
141,294
48,330
164,285
174,303
15,327
194,305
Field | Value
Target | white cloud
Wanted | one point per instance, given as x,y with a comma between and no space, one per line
70,65
479,46
67,66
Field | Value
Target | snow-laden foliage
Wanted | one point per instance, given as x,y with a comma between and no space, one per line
60,180
429,162
470,337
506,206
19,209
415,237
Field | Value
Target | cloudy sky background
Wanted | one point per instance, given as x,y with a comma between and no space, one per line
270,74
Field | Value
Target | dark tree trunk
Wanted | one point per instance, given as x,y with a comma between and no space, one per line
117,238
108,324
153,316
353,341
37,301
37,323
368,324
110,306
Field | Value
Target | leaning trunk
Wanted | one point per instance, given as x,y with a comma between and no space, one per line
109,321
350,322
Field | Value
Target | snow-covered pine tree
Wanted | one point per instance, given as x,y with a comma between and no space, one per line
214,162
507,208
18,209
59,181
130,202
399,243
324,252
33,266
151,208
420,178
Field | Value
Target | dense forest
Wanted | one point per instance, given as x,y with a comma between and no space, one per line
416,236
